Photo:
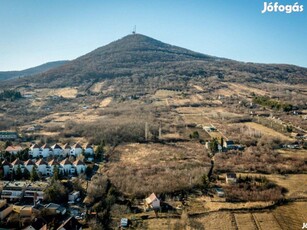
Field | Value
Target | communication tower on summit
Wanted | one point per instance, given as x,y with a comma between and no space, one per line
134,30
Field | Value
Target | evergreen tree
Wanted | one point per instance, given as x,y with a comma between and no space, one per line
18,175
214,145
33,174
55,173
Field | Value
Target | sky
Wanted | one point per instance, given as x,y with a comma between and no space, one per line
33,32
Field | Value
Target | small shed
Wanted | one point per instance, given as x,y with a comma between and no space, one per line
124,222
152,202
231,178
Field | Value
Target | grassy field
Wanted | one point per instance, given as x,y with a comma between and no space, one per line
157,167
294,183
267,131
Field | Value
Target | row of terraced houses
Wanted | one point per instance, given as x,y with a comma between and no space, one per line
56,150
43,167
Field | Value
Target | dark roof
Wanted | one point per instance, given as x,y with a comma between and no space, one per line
34,146
17,162
70,223
65,162
53,162
56,146
45,146
78,162
77,145
231,175
229,142
66,146
29,162
5,162
41,162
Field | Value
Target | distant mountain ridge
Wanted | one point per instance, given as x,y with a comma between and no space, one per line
5,75
140,57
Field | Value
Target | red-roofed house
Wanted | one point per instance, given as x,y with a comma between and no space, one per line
13,149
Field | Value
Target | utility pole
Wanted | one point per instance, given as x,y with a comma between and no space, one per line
160,131
146,131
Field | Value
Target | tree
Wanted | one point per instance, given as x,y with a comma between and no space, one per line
33,174
194,135
99,151
18,175
26,174
213,145
55,173
55,192
205,181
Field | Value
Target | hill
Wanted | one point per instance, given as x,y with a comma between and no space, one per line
138,58
5,75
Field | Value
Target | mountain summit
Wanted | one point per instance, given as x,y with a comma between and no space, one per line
139,56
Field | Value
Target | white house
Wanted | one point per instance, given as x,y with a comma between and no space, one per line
152,202
89,152
17,163
66,150
88,149
42,166
52,164
57,150
46,150
76,150
80,166
13,149
6,167
34,151
67,166
29,164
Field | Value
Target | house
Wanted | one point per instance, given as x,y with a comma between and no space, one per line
80,166
13,149
37,224
229,144
73,196
66,150
46,151
219,192
152,202
17,164
76,150
5,209
70,223
67,166
209,128
55,209
35,151
29,164
52,164
88,149
57,150
7,136
6,167
124,222
89,152
42,167
13,190
231,178
35,190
